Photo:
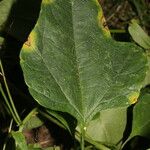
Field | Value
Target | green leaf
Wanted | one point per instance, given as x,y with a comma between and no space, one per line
141,117
33,122
5,7
138,35
71,64
109,126
64,120
19,140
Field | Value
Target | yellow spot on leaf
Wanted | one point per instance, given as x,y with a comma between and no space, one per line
102,23
29,45
28,42
133,97
48,1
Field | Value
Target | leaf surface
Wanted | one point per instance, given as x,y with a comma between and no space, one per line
141,117
19,140
138,35
72,65
33,122
109,126
5,7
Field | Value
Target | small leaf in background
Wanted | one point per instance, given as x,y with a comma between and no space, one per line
33,122
141,117
5,7
19,140
63,120
71,64
109,126
138,35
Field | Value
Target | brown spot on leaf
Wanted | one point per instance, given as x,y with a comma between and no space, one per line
103,20
28,42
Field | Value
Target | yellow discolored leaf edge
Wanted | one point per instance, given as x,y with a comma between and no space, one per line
29,45
48,1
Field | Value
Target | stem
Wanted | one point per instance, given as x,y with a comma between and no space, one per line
98,145
9,130
9,96
51,119
7,103
117,31
10,126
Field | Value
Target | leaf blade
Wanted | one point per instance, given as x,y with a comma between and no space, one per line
138,35
19,140
141,121
72,65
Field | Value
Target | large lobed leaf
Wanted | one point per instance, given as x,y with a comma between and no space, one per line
71,64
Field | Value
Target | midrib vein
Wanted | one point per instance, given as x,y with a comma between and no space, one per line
76,57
